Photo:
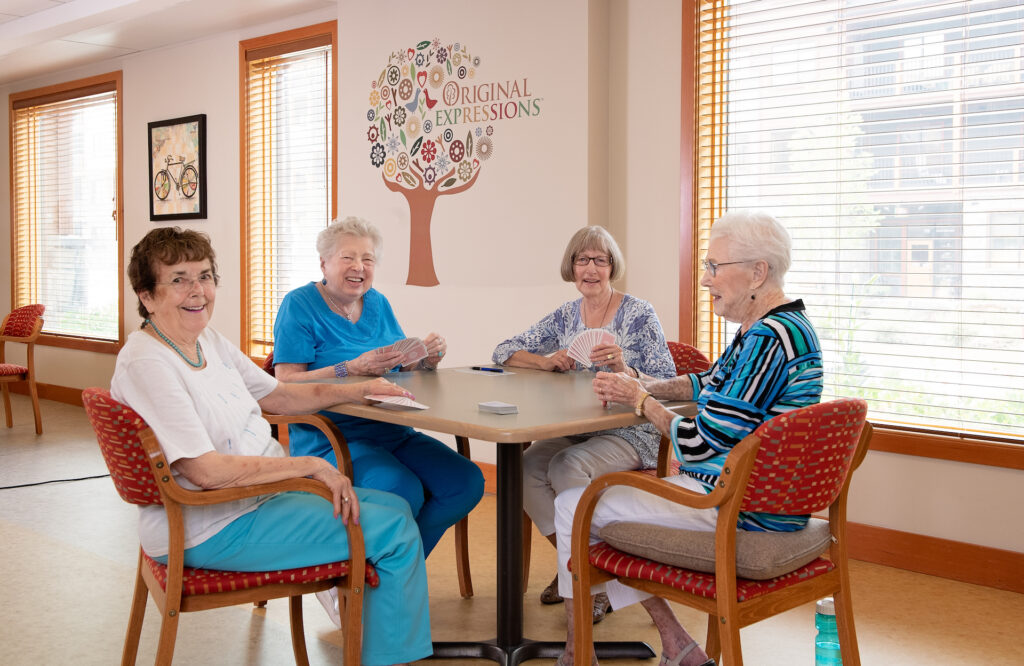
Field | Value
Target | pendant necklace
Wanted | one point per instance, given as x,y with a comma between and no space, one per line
603,314
199,350
337,307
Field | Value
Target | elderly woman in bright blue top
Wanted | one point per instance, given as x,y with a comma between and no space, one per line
772,366
592,261
336,327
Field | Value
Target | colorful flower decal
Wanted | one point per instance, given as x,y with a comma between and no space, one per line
428,151
372,134
462,72
441,56
448,135
490,130
370,115
478,131
483,148
390,168
412,126
429,176
476,61
442,164
398,116
374,98
457,150
385,93
436,76
393,145
405,88
377,155
394,74
403,161
428,125
465,171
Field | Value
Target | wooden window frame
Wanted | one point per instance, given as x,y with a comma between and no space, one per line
58,92
993,452
262,47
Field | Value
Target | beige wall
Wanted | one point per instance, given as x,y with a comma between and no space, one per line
605,149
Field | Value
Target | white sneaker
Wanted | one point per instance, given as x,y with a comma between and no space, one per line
329,600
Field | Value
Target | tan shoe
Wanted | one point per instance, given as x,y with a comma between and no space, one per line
550,594
601,606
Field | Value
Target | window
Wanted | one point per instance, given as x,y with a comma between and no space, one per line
66,203
289,149
887,136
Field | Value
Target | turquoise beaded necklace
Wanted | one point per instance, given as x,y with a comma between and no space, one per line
199,350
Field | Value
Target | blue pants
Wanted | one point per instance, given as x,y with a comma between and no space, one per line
298,529
440,485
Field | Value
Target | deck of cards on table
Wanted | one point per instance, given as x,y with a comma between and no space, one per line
579,348
395,402
413,350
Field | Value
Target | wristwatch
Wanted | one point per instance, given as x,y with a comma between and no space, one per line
639,409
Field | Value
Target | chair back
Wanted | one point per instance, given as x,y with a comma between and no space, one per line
118,428
23,322
687,358
268,363
805,457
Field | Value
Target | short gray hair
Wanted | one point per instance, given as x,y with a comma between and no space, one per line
327,239
592,238
755,235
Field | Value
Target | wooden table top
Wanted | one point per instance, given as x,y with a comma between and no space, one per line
551,404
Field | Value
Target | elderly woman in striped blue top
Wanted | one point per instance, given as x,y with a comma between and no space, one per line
773,365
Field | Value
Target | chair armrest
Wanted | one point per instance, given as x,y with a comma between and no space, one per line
664,456
733,479
324,425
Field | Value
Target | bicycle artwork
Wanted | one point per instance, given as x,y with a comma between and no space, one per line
177,164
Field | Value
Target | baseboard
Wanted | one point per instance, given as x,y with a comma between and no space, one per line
957,560
65,394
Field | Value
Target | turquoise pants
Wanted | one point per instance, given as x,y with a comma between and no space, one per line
298,529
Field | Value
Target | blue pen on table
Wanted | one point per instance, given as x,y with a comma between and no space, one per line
484,368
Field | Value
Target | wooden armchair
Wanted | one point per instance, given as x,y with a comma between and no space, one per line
798,463
141,475
21,325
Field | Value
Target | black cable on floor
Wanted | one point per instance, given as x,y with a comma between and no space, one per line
40,483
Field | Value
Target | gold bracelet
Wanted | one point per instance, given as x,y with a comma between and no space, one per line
639,409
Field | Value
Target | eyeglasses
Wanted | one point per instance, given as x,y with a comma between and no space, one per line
712,267
183,285
602,262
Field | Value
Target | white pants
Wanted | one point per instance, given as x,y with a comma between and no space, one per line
624,504
552,466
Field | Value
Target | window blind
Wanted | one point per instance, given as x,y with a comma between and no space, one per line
889,137
64,178
288,181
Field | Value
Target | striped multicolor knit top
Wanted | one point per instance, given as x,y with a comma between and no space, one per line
774,367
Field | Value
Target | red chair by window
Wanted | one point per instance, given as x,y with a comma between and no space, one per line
141,476
800,462
687,358
21,325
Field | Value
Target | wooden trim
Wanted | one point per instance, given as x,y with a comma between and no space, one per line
67,90
64,394
83,344
956,560
687,177
958,448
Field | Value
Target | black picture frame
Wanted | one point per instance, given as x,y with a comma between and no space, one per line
177,168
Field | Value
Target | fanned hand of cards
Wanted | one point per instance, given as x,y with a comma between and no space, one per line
396,402
413,350
579,348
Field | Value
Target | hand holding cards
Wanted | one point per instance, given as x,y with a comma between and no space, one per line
579,348
412,350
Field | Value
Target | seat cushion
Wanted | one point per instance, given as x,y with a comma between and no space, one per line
759,555
9,369
624,565
208,581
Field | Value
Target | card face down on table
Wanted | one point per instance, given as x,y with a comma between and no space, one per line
498,407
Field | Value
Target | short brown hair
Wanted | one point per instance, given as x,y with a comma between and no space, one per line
592,238
166,246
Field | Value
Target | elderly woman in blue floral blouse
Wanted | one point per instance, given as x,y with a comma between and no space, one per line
592,261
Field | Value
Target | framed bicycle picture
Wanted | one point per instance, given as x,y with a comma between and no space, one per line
177,169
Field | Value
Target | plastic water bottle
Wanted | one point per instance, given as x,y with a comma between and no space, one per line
826,644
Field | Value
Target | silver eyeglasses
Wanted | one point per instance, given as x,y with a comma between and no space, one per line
182,284
712,267
603,262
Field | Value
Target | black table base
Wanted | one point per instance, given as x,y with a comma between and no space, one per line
510,648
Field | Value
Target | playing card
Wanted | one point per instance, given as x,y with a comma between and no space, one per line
395,402
585,341
412,349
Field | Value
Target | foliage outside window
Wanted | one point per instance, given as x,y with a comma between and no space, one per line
889,137
289,151
66,193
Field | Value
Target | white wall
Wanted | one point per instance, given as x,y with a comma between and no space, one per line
605,149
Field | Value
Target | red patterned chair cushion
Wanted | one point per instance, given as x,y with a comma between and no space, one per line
804,458
622,564
21,320
117,428
207,581
687,358
11,370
